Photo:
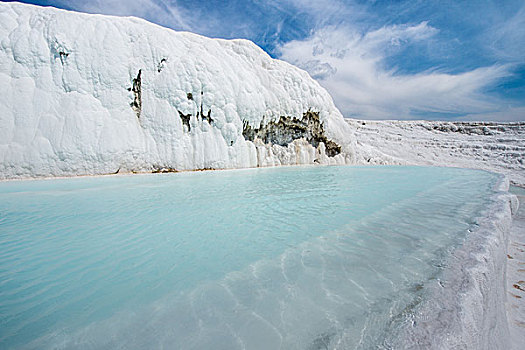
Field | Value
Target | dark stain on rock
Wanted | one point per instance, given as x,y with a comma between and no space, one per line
136,105
160,66
185,119
63,56
205,169
288,129
200,114
519,286
206,117
164,170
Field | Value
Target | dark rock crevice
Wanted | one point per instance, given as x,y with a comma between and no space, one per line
287,129
63,55
200,114
136,88
206,117
164,170
185,119
59,51
161,65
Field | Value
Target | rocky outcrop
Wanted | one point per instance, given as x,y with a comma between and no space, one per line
287,129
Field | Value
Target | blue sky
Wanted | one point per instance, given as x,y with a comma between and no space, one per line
392,59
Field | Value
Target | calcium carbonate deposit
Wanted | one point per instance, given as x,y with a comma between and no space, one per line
92,94
490,146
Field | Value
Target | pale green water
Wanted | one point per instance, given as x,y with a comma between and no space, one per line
265,258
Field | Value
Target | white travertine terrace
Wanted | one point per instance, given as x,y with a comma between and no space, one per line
492,146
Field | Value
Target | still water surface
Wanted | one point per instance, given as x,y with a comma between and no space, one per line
291,258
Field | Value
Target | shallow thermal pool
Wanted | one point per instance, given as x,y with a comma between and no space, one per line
290,258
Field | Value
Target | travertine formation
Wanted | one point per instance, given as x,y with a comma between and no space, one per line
490,146
90,94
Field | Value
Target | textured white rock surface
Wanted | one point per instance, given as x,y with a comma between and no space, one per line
498,147
516,276
67,83
467,305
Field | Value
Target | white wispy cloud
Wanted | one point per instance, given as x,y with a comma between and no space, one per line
165,13
351,66
506,39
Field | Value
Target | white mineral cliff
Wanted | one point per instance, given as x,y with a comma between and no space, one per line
93,94
498,147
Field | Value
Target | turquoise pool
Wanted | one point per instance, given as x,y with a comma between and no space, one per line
290,258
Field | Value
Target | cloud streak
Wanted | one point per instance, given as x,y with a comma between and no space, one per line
351,66
504,38
165,13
